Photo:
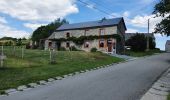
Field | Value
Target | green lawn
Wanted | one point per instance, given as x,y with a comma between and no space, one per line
141,54
168,97
35,65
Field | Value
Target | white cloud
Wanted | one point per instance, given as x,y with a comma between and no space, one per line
3,20
12,32
33,26
126,14
139,21
90,6
38,10
142,21
9,31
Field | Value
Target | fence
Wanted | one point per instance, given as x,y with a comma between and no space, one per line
19,52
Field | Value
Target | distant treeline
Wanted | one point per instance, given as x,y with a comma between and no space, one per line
9,41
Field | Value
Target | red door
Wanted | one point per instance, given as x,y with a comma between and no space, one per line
109,45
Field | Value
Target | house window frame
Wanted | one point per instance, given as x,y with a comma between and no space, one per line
67,34
86,44
67,44
103,42
101,32
85,32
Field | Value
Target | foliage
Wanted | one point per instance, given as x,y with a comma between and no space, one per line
168,97
163,9
152,43
8,38
137,42
19,42
73,48
141,54
80,40
9,41
28,46
6,43
62,49
93,50
44,32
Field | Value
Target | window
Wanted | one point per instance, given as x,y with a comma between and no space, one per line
85,32
67,34
101,43
86,45
102,32
67,44
114,45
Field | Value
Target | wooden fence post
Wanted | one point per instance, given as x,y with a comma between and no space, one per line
1,56
22,52
14,51
50,56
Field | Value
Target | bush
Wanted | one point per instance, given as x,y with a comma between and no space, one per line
93,50
152,43
35,47
137,42
73,48
62,49
28,46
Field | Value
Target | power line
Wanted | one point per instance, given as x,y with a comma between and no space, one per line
103,11
101,5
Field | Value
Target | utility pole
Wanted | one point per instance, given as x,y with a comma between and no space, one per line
147,49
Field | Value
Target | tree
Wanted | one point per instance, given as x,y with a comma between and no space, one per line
163,9
45,31
137,42
19,42
152,43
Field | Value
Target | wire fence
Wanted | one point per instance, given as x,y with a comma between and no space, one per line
19,52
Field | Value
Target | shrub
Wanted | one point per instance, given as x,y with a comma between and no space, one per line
73,48
152,43
34,46
62,49
28,46
137,42
93,50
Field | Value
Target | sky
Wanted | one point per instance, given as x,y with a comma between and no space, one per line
19,18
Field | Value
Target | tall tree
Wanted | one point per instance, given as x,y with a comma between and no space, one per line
45,31
163,9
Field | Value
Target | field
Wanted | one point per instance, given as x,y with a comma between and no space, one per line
35,65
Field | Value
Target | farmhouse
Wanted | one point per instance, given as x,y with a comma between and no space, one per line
167,46
106,35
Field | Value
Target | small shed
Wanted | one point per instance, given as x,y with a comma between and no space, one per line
167,46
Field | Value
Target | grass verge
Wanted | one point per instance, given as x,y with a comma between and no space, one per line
35,66
168,97
141,54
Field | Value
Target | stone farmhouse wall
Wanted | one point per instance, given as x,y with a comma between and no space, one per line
87,32
81,32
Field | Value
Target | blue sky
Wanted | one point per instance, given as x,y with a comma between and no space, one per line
19,18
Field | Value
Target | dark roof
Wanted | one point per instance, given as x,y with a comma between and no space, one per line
99,23
129,35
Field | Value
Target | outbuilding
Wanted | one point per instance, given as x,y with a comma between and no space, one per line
167,46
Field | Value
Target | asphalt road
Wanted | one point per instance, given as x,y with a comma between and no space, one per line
126,81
